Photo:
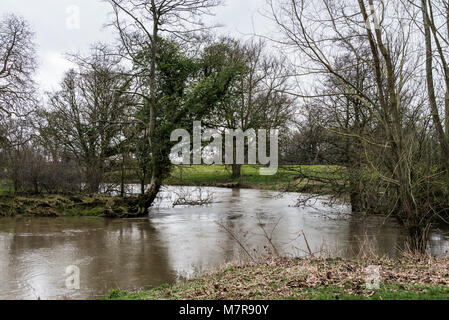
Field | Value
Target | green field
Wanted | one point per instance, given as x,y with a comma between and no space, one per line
287,178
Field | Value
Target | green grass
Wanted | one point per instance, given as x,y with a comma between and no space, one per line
70,206
386,292
293,279
285,180
4,187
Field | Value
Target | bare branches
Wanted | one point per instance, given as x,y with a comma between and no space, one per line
364,66
193,198
17,65
140,22
87,116
430,29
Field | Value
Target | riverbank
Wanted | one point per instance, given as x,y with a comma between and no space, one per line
286,180
316,279
64,205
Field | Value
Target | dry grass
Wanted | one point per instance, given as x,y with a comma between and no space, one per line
406,278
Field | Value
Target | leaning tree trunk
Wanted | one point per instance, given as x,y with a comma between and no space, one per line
147,198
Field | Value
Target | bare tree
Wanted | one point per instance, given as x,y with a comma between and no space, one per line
17,66
87,115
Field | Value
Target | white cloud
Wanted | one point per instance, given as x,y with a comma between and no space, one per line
51,70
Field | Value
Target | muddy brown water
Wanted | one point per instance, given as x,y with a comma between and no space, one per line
181,242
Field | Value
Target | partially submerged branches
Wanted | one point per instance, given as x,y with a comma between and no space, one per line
372,103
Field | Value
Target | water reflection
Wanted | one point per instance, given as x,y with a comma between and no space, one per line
178,242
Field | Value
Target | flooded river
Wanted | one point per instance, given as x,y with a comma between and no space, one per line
180,242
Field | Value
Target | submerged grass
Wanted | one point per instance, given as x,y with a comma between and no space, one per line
316,279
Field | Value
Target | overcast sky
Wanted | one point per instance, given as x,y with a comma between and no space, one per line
57,31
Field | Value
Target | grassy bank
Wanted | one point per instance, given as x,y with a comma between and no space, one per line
331,279
286,178
58,205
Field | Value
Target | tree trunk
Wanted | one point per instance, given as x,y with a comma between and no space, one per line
355,195
142,186
122,178
147,198
236,171
447,82
446,113
236,168
16,186
154,51
93,186
430,83
93,179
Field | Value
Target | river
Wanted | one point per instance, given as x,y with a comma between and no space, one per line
183,241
